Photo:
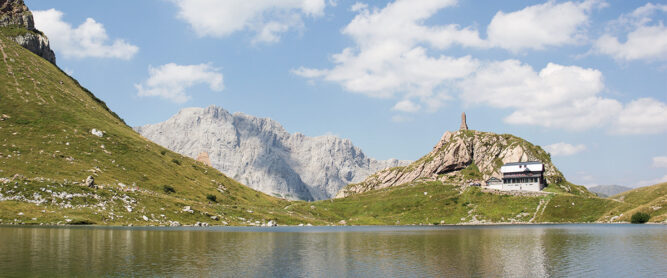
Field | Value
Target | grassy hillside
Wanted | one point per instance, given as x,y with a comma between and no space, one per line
649,199
438,203
47,150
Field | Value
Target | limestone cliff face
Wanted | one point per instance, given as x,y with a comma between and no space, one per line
14,13
261,154
455,152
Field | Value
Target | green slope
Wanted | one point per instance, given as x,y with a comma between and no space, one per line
439,203
648,199
47,151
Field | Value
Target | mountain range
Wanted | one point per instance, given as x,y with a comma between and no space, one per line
66,158
259,153
608,190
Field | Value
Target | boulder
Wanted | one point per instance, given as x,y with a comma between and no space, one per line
90,182
97,133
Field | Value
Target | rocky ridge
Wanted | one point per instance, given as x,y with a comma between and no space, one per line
14,13
261,154
461,157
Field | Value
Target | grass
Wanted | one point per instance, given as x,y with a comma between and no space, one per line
651,200
438,203
47,138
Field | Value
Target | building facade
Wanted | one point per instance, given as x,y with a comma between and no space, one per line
520,176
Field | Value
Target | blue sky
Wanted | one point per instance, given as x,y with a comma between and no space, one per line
587,80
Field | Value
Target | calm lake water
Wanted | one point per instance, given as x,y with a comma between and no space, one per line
508,251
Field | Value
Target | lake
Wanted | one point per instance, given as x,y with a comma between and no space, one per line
595,250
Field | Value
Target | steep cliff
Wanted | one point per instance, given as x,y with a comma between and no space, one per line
260,153
17,19
462,157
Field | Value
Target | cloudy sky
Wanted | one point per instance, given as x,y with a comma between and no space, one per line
587,80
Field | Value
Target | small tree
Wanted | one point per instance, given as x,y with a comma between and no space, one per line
639,218
168,189
211,198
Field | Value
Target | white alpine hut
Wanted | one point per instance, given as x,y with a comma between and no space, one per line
521,176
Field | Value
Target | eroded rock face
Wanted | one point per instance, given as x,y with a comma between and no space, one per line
259,152
16,13
203,158
454,152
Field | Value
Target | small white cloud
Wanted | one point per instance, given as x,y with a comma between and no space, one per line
642,116
645,41
564,149
406,106
660,162
358,7
89,39
171,81
652,181
539,26
268,19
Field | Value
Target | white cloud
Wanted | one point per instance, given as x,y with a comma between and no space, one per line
406,106
564,149
539,26
171,81
392,54
269,19
558,96
644,41
660,162
89,39
358,7
642,116
653,181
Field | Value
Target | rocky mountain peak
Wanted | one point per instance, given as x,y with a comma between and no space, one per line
14,13
461,157
260,153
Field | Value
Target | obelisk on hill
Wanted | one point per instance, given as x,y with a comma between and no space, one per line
464,125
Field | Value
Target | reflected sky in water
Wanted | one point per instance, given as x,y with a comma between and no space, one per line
508,251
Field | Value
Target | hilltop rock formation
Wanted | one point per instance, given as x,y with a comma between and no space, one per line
481,153
15,13
203,158
261,154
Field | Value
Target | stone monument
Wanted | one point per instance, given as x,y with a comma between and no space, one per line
464,125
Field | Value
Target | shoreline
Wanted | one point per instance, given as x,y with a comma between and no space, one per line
323,226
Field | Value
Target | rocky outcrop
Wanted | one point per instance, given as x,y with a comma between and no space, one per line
481,153
14,13
261,154
203,158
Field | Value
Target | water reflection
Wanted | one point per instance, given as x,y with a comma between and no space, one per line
509,251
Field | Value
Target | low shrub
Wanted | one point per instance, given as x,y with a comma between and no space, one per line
176,161
640,218
168,189
212,198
